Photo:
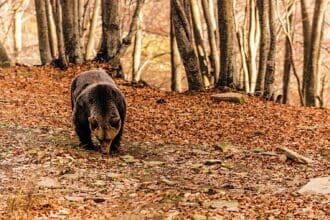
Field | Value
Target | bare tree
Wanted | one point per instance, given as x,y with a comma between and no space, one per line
92,28
199,41
287,53
211,33
4,58
263,9
185,45
312,79
62,61
227,43
73,45
44,47
270,68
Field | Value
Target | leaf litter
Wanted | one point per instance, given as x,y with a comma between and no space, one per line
178,154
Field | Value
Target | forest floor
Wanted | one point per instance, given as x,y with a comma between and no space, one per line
183,156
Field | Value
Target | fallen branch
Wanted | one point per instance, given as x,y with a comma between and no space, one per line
294,156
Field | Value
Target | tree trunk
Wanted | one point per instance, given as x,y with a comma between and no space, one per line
227,43
73,45
92,29
62,61
186,49
253,45
270,69
110,30
287,57
175,61
306,24
312,78
199,41
18,25
51,28
4,58
263,9
44,47
127,40
137,51
211,32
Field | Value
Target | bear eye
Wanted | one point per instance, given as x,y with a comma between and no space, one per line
94,125
115,122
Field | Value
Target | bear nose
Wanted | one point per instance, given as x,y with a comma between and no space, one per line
105,146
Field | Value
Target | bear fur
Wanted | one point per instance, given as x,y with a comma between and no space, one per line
99,109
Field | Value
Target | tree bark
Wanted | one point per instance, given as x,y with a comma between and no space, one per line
51,28
127,40
287,57
137,51
263,10
227,43
211,33
199,41
186,49
306,24
253,45
44,47
175,60
312,78
73,45
4,58
92,28
270,68
62,61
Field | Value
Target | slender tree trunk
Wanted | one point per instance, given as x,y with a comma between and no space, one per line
186,49
306,24
18,25
253,45
263,9
270,69
311,81
211,32
137,51
73,45
287,57
62,61
227,43
92,29
44,47
199,41
127,40
244,61
175,61
4,58
51,28
110,30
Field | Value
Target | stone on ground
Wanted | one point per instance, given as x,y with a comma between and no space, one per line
319,185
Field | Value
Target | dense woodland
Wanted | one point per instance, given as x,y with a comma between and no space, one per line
223,109
272,49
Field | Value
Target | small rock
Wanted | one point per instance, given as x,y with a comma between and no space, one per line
154,163
50,183
98,200
212,162
226,148
232,206
326,153
229,97
167,181
74,198
100,183
129,159
319,185
114,175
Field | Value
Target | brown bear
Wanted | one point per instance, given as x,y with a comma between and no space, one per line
99,109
